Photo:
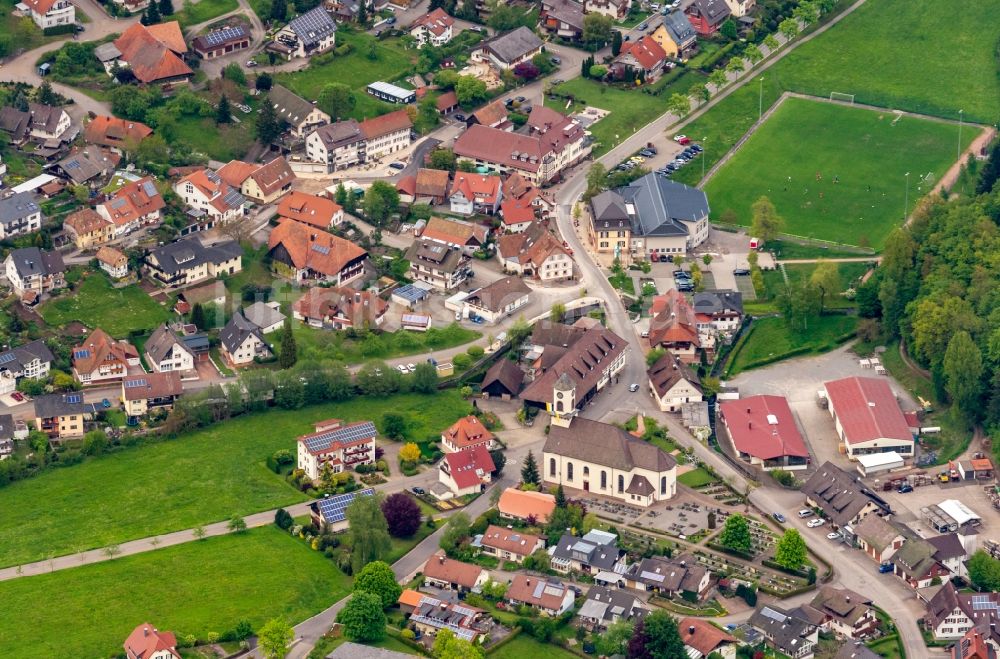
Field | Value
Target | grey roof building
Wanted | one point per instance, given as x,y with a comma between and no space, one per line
162,341
17,360
668,575
604,607
715,302
513,46
856,650
785,632
263,315
87,163
340,133
189,253
661,207
293,108
33,262
609,211
357,651
312,27
679,27
67,404
596,551
841,496
237,330
17,209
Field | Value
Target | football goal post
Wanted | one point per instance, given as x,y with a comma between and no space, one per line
843,98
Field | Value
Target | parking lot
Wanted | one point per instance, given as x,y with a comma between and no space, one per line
972,494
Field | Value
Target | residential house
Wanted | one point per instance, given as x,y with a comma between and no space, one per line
553,143
916,564
526,505
119,135
493,115
763,432
90,166
951,614
145,393
222,42
718,313
503,380
51,13
867,417
448,574
112,261
475,193
188,261
135,204
308,34
604,459
266,316
740,8
348,143
505,51
673,384
665,218
430,615
15,124
644,57
62,416
434,27
207,194
670,577
146,642
32,360
786,632
673,325
616,9
102,359
951,552
605,607
842,498
242,342
466,434
707,15
546,595
562,18
211,293
595,553
516,215
154,53
262,183
878,538
47,122
676,36
165,351
87,228
466,236
300,115
432,262
977,644
306,255
313,211
466,472
330,513
701,639
429,186
843,612
498,300
509,544
579,362
19,214
32,272
610,229
538,253
855,650
337,445
340,308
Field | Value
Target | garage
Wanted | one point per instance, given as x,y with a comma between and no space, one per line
877,463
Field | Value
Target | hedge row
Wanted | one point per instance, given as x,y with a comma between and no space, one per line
732,552
777,566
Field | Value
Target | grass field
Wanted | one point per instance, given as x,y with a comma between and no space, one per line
195,588
222,143
849,274
886,52
526,647
696,478
859,155
96,303
203,10
772,340
318,344
199,478
355,70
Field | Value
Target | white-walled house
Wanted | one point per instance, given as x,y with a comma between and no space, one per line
51,13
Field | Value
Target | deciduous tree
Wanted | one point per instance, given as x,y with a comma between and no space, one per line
381,201
790,552
369,532
826,278
378,579
963,375
663,640
274,638
984,571
765,223
402,513
337,100
409,452
448,646
736,534
597,29
363,618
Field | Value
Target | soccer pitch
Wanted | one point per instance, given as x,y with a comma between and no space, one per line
835,172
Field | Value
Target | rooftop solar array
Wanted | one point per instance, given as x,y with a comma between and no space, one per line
313,25
984,603
7,357
322,249
345,435
149,188
81,353
416,319
136,382
411,293
334,509
74,398
233,199
768,612
224,35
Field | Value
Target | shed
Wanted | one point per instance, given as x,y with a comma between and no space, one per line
959,512
409,295
874,463
977,468
416,322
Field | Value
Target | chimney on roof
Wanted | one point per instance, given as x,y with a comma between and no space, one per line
145,631
691,630
848,599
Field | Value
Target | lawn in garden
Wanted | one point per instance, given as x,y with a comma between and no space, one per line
771,340
527,647
193,588
95,303
199,478
223,143
204,10
318,344
835,173
931,58
850,274
696,478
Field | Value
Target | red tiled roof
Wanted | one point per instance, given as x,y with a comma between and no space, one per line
520,504
436,22
510,540
515,211
152,53
309,209
215,191
446,569
132,201
317,250
112,131
493,145
145,640
170,35
646,52
235,172
749,421
272,176
385,124
469,468
867,410
702,635
468,431
100,348
454,232
673,320
111,256
525,589
407,185
447,100
85,221
156,385
493,114
431,182
40,6
345,304
477,187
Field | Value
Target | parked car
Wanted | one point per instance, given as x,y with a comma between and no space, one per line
697,147
391,19
805,512
459,117
411,367
644,26
555,59
741,272
682,139
778,517
904,488
675,4
833,536
814,522
432,361
885,568
520,99
251,63
418,490
397,165
634,387
402,369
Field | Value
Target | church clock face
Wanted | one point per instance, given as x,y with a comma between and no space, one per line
559,396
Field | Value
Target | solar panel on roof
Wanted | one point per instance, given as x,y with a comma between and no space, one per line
72,164
137,382
117,203
211,176
334,509
353,433
322,249
81,353
6,357
74,398
233,199
768,612
465,634
149,188
223,35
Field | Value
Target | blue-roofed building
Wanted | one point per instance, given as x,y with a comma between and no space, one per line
409,295
311,33
331,512
221,42
336,444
